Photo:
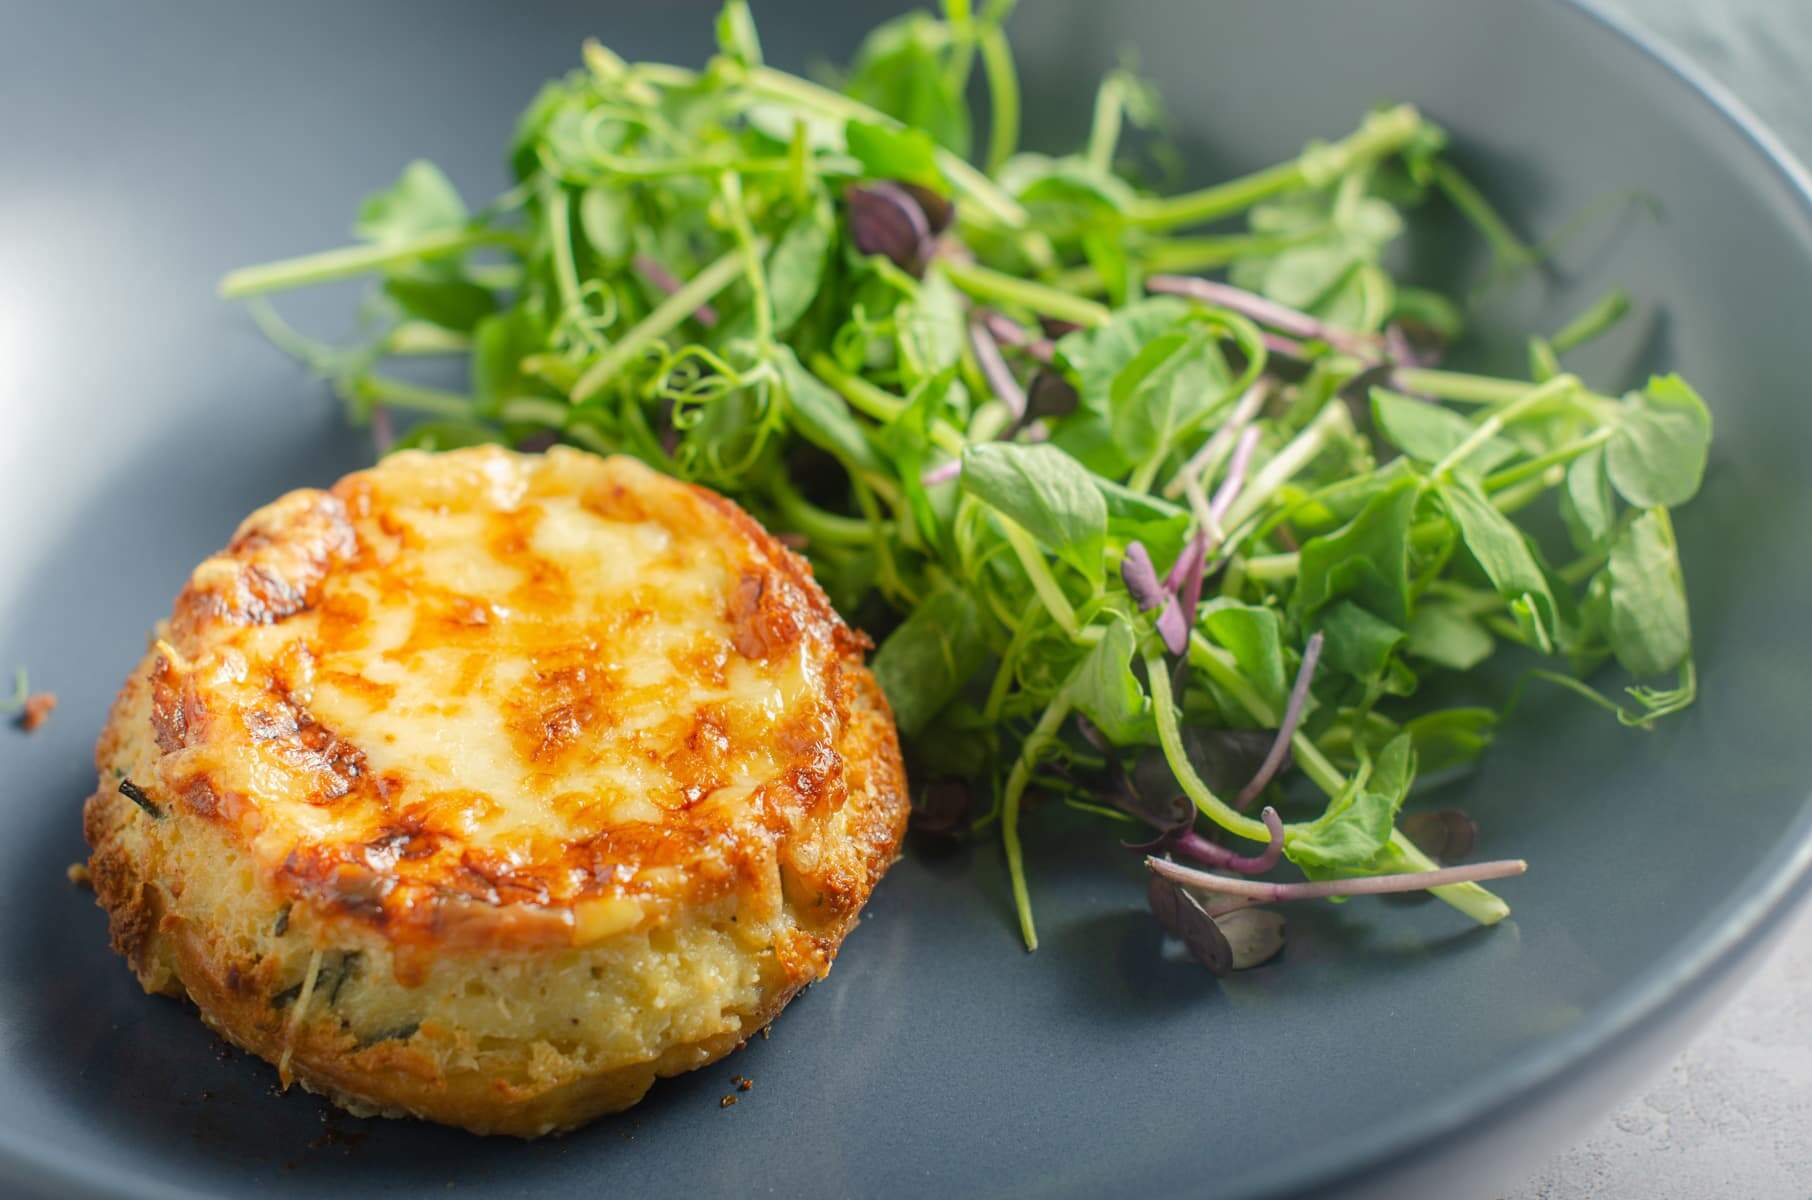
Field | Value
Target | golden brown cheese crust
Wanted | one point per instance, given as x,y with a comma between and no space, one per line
488,711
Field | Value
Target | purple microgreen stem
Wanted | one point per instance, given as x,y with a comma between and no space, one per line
1282,467
1292,717
1009,332
1400,350
1230,486
942,473
1283,347
664,279
1192,845
1204,462
666,317
1372,885
995,370
1280,317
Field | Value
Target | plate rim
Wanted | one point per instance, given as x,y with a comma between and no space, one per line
1759,904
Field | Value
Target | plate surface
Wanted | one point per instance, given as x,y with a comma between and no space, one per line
148,148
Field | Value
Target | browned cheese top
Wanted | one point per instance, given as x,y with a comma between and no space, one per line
561,686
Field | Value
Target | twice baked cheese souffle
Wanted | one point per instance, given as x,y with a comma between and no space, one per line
488,787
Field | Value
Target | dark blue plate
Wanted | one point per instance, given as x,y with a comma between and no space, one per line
148,148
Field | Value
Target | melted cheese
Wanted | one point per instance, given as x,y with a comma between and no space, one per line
487,679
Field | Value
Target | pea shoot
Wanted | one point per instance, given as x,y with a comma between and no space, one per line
1159,545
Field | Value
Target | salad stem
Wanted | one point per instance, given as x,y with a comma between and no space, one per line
816,523
397,393
1380,134
1492,425
1431,878
1104,128
1476,902
348,262
1541,462
1479,903
667,316
730,184
1206,461
876,402
986,284
983,192
1021,775
1039,571
1292,458
1170,737
1003,95
1173,256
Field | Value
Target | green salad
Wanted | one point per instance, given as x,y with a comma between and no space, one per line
1158,505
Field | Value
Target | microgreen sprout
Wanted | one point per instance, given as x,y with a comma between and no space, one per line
1286,731
987,401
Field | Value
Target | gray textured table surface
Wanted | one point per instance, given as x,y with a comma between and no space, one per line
1732,1117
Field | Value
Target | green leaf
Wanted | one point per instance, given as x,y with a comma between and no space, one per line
894,152
931,328
1105,690
1356,827
1046,492
422,200
532,125
1302,276
1502,550
1444,635
1106,252
1366,559
1429,433
736,36
499,344
955,744
1165,390
900,70
1134,516
447,301
1362,300
1096,356
1649,628
1066,194
1358,643
1088,437
1254,636
1450,737
1656,457
797,263
1587,505
822,417
924,663
607,219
